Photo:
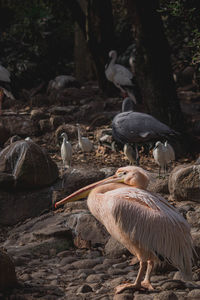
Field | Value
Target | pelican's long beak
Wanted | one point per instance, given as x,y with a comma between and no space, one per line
84,192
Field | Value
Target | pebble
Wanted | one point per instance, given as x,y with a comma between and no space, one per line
97,277
86,263
84,289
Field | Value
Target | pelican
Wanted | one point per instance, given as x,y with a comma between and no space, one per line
120,76
66,151
83,142
144,222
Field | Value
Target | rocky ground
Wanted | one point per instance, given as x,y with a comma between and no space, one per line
67,254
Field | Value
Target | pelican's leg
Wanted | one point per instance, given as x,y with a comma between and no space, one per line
137,284
146,282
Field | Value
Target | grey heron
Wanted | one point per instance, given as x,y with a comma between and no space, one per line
139,128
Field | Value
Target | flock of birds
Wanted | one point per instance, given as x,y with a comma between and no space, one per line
144,222
66,148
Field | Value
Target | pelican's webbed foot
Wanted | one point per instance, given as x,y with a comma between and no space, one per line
125,286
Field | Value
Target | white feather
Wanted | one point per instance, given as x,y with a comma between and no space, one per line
66,151
84,142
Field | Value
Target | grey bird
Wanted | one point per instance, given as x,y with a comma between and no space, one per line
139,128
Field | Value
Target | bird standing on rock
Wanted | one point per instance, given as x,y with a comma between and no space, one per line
66,151
83,142
120,76
144,222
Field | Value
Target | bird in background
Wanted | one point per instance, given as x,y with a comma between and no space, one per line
163,154
130,153
66,151
144,222
170,154
139,129
128,104
4,85
120,76
84,143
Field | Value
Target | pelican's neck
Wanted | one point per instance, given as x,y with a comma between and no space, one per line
107,187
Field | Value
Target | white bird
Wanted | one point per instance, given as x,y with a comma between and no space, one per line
144,222
66,151
84,143
159,156
120,76
170,154
4,81
130,153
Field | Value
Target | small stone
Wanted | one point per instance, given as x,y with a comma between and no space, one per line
123,296
67,260
194,294
138,296
173,284
86,263
112,271
166,295
96,277
84,289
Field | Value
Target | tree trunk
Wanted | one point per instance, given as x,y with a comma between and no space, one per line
153,67
96,24
84,65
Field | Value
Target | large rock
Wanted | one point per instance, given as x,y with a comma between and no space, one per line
20,124
7,272
184,183
17,206
30,165
4,134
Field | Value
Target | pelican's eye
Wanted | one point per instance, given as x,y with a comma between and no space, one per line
120,174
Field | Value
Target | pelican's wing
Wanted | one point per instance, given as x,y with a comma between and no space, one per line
150,221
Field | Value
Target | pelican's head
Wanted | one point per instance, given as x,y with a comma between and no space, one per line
132,176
